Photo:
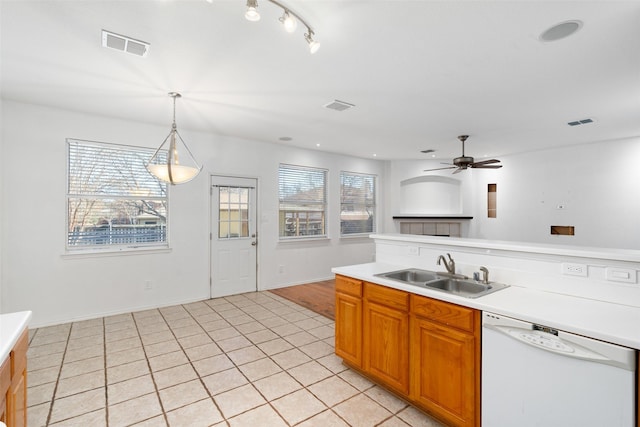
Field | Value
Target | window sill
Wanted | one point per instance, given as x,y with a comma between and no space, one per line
96,253
305,239
356,236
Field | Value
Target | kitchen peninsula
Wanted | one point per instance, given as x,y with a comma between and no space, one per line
591,292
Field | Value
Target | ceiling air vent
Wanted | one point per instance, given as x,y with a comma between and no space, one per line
124,43
580,122
338,105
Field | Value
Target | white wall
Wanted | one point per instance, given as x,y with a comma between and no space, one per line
37,276
597,184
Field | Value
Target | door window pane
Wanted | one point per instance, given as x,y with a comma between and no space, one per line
234,212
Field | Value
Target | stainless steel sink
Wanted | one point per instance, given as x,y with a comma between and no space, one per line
465,288
411,275
445,282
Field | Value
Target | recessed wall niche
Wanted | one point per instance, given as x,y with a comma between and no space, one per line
430,195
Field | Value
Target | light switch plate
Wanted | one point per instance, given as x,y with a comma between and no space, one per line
624,275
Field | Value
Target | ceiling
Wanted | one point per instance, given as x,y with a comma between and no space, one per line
420,73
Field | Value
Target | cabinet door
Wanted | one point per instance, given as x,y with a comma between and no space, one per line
17,401
386,345
349,328
443,372
5,384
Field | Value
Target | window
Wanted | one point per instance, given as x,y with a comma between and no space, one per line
357,203
233,217
112,200
303,202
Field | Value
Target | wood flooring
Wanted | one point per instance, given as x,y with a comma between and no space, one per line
319,297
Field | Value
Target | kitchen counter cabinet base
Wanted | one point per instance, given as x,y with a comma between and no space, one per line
13,385
386,336
424,350
348,333
445,360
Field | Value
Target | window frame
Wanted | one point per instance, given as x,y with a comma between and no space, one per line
114,248
374,207
324,203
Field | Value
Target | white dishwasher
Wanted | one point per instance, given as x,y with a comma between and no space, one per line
537,376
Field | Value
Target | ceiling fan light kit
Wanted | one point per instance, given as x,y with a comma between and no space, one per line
464,162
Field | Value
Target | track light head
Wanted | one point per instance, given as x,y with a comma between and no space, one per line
252,13
313,45
288,21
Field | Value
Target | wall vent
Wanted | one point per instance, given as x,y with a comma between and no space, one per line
338,105
580,122
124,43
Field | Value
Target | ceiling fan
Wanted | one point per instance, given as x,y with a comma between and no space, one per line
463,162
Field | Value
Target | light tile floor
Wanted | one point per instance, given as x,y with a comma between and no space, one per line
247,360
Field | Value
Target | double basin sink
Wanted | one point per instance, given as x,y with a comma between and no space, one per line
446,282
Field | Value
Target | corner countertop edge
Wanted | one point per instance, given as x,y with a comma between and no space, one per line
11,327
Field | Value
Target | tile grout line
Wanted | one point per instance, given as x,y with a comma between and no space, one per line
146,358
106,388
191,364
55,388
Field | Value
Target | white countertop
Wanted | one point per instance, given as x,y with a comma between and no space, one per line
11,327
614,323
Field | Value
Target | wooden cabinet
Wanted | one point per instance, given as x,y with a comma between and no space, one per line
5,384
13,385
445,360
349,320
386,336
426,350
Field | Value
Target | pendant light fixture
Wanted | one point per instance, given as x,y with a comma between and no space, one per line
174,169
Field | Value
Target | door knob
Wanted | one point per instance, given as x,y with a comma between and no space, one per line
254,243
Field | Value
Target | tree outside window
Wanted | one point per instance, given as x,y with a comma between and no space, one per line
112,200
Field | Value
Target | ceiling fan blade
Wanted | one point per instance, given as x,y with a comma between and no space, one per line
439,169
458,170
476,166
485,162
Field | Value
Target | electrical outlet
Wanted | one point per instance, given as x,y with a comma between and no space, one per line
413,250
148,285
572,269
281,269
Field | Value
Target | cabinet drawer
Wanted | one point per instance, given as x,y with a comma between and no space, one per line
348,286
390,297
19,354
446,313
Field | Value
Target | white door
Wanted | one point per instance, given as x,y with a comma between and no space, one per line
233,235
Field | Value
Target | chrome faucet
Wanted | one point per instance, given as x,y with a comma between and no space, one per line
485,275
450,266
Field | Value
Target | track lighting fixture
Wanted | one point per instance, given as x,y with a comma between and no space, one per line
288,19
313,45
172,169
289,22
252,13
